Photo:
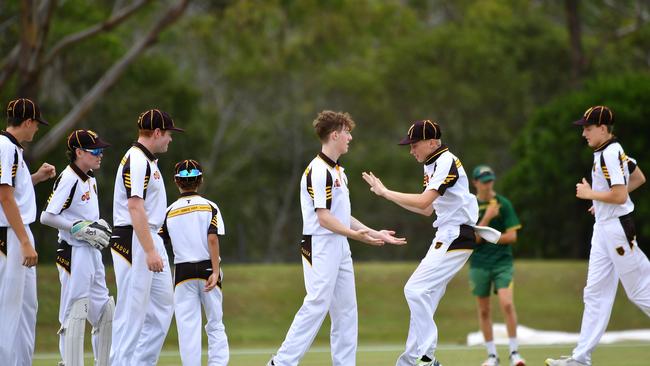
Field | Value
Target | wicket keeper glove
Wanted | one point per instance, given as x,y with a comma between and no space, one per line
96,233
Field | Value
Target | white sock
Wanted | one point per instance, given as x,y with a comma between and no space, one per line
513,345
491,348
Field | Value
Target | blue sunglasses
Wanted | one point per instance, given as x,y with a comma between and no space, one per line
188,173
95,152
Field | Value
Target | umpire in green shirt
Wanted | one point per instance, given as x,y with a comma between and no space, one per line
491,266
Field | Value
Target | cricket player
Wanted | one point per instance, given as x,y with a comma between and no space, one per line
615,254
326,257
446,190
491,266
193,225
144,285
73,209
18,256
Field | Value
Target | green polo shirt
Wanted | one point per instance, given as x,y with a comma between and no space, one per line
488,255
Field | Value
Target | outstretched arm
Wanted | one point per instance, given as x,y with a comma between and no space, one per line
416,202
387,236
331,223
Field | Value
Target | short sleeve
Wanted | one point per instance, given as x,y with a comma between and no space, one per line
216,223
510,219
319,186
8,164
135,174
611,167
444,175
62,194
631,164
163,232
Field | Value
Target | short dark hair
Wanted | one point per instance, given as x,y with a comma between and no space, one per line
189,184
15,121
329,121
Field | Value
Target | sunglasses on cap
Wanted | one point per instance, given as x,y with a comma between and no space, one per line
188,173
95,152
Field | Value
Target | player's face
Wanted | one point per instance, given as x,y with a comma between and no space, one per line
483,187
87,160
422,149
342,139
595,135
164,138
32,128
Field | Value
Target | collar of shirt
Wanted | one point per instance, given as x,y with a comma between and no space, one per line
151,156
80,173
329,161
605,144
434,156
11,138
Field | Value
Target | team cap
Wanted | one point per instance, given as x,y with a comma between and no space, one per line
85,139
422,130
598,115
23,108
188,168
155,118
483,174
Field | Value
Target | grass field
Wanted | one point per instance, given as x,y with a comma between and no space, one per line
385,355
261,300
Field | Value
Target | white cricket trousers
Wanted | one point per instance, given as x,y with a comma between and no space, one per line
82,275
329,282
189,295
18,304
612,257
426,287
145,302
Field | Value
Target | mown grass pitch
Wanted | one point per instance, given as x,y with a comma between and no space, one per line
624,354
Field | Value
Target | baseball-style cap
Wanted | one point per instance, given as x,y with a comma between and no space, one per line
155,118
23,108
188,168
85,139
483,174
422,130
598,115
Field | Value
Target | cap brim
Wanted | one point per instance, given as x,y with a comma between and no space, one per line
486,178
580,122
175,129
407,141
42,121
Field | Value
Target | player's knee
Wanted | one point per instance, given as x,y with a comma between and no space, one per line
484,313
508,308
412,293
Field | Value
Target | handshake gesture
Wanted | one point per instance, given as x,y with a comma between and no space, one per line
96,233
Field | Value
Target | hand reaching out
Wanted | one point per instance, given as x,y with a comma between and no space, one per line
375,183
388,236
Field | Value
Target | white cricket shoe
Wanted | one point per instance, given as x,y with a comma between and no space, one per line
492,360
564,361
428,362
516,359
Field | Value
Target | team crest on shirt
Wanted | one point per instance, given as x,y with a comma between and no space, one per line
337,183
85,196
620,251
156,175
438,245
426,180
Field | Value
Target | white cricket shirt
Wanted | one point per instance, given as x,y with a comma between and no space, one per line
14,172
324,185
611,167
138,176
444,173
74,197
187,224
